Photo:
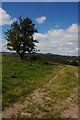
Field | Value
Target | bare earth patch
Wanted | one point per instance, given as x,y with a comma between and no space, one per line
72,101
72,111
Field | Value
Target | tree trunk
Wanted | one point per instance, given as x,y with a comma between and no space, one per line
21,55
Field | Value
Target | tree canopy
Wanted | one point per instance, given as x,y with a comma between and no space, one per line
20,37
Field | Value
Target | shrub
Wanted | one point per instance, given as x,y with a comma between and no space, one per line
75,63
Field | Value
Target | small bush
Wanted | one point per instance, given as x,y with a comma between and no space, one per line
75,63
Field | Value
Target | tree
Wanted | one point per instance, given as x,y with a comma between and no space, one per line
20,37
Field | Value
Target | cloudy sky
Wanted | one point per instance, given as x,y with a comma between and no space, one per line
57,24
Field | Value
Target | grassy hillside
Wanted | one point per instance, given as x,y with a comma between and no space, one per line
29,76
21,78
61,59
55,98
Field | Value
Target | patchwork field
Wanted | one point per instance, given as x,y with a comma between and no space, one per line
38,90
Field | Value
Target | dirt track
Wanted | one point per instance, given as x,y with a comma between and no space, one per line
37,98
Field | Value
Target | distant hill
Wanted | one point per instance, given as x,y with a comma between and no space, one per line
73,60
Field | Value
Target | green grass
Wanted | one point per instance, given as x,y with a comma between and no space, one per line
33,75
65,83
29,76
61,89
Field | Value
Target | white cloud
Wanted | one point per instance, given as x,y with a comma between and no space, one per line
59,41
5,18
3,46
12,20
41,19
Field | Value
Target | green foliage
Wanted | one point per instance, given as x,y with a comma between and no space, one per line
73,62
20,37
52,58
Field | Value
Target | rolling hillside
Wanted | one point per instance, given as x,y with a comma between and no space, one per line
36,88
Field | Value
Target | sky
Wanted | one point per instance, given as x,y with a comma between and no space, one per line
57,24
39,0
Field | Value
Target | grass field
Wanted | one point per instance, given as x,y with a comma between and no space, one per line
32,76
29,76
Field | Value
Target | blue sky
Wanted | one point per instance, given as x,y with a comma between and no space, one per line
63,14
57,16
39,0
